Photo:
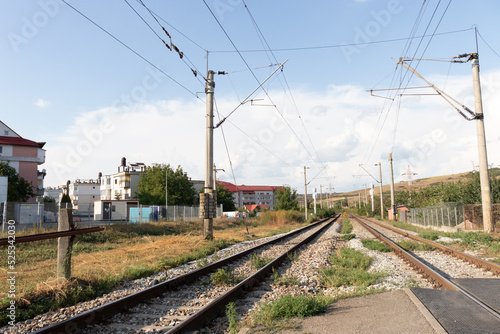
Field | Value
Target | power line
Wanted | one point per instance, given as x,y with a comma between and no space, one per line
253,74
264,40
498,55
170,46
130,49
305,48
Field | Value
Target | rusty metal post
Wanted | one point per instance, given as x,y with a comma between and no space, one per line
64,244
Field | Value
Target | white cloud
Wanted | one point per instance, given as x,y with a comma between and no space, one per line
343,122
41,103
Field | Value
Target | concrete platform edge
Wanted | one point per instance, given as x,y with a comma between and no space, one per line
425,312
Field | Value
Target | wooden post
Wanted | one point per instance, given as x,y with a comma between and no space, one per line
64,244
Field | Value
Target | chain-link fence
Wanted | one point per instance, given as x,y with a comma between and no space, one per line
473,215
171,213
446,214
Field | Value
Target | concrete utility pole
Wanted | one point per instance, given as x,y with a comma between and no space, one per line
371,195
207,200
381,192
321,196
481,144
305,191
393,204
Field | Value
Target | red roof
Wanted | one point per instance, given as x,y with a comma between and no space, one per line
253,207
247,189
5,140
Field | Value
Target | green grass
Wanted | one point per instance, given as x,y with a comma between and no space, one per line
429,236
376,245
349,269
258,262
75,292
346,226
290,307
232,317
412,246
225,276
284,279
348,236
198,254
349,258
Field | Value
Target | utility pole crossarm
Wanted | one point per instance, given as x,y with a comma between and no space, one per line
454,103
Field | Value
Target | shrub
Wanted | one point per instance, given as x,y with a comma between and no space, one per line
376,245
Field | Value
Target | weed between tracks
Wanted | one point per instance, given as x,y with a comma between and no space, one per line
346,226
376,245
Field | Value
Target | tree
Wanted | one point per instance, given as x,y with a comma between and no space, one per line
151,187
225,198
18,190
286,198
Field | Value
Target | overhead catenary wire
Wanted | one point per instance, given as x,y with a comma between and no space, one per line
264,41
130,49
333,46
170,45
255,77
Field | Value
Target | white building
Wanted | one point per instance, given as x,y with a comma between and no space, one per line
83,194
124,184
53,192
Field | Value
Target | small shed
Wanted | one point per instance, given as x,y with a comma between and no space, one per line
401,213
114,209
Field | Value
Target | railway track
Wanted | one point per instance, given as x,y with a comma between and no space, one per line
186,302
480,294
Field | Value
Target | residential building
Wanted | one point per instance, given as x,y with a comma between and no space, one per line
83,194
251,195
24,155
53,192
122,185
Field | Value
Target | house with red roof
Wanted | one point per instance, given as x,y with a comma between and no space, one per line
24,155
251,195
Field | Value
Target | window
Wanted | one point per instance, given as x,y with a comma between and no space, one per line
0,149
6,133
116,181
113,208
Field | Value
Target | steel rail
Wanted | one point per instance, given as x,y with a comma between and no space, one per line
51,235
101,313
439,280
489,266
198,319
425,270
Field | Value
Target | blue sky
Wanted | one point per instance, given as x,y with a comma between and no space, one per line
68,83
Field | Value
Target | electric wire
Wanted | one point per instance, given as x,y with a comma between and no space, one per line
171,47
130,49
255,77
263,40
305,48
481,36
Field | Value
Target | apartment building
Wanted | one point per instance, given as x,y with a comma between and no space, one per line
24,155
122,185
251,195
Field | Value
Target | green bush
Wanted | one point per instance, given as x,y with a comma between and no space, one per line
258,262
429,236
346,226
225,276
348,236
412,246
376,245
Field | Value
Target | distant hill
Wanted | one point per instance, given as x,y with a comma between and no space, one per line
416,184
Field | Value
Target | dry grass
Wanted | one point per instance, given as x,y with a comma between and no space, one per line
36,274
